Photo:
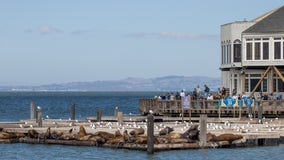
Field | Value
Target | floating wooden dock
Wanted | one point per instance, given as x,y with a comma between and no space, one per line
265,134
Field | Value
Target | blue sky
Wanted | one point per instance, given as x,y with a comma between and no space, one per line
58,41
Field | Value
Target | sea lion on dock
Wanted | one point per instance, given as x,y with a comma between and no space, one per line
33,133
5,135
67,135
141,140
117,134
227,137
137,131
173,135
192,133
128,138
166,131
82,132
107,136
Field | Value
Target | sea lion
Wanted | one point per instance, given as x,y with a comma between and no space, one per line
141,140
192,133
5,135
161,140
173,135
227,137
128,138
97,139
179,140
67,135
210,137
107,136
166,131
117,134
82,132
32,133
137,131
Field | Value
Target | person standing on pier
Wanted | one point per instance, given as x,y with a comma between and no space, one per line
206,90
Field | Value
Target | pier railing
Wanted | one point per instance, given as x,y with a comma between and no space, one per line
268,108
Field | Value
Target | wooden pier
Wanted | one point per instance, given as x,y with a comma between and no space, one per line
173,108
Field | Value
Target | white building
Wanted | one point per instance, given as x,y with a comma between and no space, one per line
252,54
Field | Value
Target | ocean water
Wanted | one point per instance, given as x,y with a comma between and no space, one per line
15,106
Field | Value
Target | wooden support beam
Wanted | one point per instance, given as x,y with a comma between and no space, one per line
261,79
278,73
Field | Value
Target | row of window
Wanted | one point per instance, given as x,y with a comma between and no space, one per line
252,79
256,49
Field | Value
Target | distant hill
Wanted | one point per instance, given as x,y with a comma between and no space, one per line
168,83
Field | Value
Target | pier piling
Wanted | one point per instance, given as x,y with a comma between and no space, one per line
259,112
32,110
99,115
150,134
39,117
115,111
203,130
119,118
72,111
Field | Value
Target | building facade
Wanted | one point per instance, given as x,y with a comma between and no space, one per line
252,54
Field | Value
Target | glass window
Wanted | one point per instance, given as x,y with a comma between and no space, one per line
253,83
280,86
237,52
264,85
277,50
236,84
257,51
249,51
265,49
283,50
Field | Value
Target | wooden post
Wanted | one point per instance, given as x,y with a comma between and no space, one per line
119,118
259,112
250,111
240,112
32,110
182,113
115,111
39,116
189,114
203,130
72,111
150,134
99,115
219,110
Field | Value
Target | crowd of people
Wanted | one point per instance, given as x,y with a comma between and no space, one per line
222,92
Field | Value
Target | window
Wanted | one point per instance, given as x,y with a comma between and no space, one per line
252,80
283,49
265,48
249,51
237,51
278,84
277,50
228,53
257,50
236,84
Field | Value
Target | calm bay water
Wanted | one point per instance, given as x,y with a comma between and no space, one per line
15,106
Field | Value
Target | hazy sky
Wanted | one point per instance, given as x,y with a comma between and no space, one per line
56,41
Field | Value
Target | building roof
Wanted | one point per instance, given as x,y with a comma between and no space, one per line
271,22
